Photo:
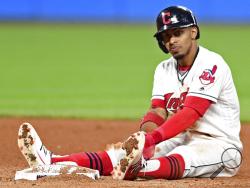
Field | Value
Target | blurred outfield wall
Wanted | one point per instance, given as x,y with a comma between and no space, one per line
210,11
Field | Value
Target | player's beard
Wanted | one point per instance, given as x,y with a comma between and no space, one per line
181,54
178,56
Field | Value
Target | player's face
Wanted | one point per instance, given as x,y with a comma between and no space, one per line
179,41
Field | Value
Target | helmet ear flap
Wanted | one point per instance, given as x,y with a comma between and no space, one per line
161,44
163,47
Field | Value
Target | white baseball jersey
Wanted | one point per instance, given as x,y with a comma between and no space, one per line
209,78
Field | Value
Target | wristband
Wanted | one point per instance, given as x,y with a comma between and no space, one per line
152,117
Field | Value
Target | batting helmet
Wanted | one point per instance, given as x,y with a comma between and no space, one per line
171,18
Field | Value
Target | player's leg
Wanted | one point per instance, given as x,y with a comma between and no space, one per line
122,156
201,157
204,155
168,167
36,153
102,160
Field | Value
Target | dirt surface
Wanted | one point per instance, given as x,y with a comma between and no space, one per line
65,136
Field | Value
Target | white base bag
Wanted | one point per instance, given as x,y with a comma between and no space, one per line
55,170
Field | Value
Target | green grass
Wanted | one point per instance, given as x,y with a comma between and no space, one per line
97,71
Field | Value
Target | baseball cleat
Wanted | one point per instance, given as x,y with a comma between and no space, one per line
131,164
32,147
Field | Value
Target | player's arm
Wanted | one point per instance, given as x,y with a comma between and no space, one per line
194,108
155,116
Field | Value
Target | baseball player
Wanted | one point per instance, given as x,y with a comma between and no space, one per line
192,124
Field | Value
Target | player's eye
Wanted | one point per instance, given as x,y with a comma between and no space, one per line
166,37
178,33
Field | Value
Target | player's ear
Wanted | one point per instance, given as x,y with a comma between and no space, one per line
194,32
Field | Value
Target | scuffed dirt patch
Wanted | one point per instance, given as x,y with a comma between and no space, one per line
64,136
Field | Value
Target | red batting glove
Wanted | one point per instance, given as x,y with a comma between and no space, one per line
149,147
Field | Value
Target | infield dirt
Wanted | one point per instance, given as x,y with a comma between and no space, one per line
64,136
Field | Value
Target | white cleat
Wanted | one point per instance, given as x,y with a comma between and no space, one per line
32,147
132,163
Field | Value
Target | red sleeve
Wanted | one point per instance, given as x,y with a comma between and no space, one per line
198,104
180,121
194,108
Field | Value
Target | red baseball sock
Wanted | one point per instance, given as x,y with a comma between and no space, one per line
170,167
94,160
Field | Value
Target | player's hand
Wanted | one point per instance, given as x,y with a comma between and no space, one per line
148,127
149,147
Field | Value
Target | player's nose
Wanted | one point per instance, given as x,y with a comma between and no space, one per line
172,39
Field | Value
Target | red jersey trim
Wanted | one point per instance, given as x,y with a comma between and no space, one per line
158,103
184,68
